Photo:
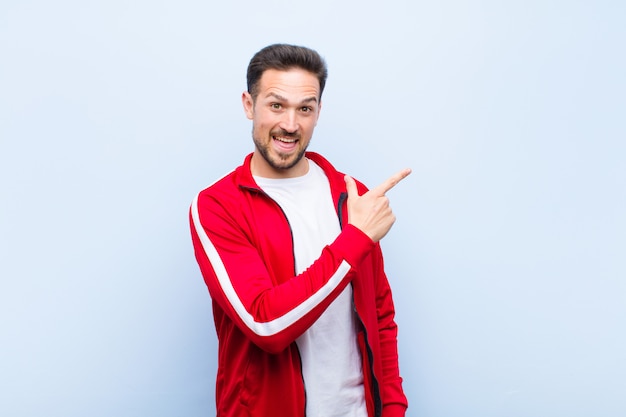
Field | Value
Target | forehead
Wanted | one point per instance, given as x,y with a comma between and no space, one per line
291,83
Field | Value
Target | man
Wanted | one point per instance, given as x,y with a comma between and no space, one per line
288,248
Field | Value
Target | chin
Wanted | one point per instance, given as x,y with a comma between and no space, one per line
285,164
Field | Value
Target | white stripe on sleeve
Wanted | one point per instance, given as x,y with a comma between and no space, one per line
280,323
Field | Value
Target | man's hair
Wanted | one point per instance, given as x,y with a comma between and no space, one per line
283,57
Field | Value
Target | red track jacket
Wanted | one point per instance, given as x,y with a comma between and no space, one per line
243,244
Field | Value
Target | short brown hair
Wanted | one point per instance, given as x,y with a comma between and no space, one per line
283,57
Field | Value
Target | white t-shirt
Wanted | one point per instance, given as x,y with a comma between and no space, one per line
331,361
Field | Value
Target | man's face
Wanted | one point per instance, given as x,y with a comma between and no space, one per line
283,116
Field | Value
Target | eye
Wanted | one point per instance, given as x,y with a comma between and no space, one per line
275,106
306,109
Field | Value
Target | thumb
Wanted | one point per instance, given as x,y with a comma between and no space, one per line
351,187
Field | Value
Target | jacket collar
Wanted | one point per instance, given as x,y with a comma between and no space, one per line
246,180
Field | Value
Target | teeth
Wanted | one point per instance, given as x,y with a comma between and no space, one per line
285,140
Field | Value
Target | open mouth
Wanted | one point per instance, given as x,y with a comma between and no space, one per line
285,144
284,139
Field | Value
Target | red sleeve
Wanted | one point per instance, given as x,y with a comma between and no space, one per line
271,315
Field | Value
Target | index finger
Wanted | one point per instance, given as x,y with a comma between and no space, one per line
391,181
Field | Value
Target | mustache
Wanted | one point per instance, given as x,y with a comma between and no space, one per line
285,134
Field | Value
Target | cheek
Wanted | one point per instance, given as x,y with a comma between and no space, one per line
262,128
258,123
264,120
309,126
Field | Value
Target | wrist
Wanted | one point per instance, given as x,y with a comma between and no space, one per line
353,244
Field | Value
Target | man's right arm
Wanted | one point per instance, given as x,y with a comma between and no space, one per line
271,315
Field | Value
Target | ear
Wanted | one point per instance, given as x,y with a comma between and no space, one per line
248,104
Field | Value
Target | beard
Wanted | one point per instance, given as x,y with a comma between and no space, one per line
278,160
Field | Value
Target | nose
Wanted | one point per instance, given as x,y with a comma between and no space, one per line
289,121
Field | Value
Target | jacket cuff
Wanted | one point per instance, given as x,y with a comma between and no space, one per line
353,245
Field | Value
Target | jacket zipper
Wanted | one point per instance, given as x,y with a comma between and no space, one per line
342,198
370,356
375,387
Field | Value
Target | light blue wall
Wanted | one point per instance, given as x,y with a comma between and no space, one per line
507,259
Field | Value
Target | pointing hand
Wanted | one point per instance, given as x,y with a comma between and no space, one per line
371,212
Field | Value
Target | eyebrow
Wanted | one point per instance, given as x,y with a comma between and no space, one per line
281,98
